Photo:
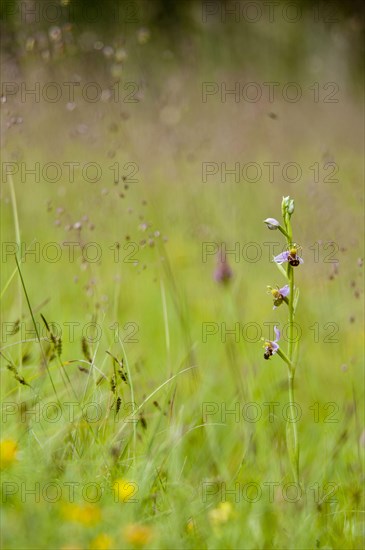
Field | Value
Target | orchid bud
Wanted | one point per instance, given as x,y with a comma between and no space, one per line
284,204
272,223
287,206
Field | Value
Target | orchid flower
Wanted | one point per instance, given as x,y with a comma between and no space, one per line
290,256
272,347
279,295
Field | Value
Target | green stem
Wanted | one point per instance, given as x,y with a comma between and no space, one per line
291,311
293,444
284,232
285,358
295,450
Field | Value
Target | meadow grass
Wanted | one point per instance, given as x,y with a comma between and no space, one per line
139,424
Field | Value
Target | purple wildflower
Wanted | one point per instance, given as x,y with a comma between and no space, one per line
223,272
272,347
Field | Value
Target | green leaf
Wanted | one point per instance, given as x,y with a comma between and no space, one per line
282,270
295,354
296,298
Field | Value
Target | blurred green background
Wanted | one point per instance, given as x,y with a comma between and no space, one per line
119,133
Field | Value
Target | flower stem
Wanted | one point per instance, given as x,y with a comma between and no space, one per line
294,450
292,438
285,358
284,232
291,311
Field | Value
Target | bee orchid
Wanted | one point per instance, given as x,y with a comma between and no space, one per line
272,347
279,295
290,256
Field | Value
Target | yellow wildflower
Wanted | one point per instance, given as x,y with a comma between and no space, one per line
102,542
138,535
124,490
8,451
191,526
87,514
220,514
